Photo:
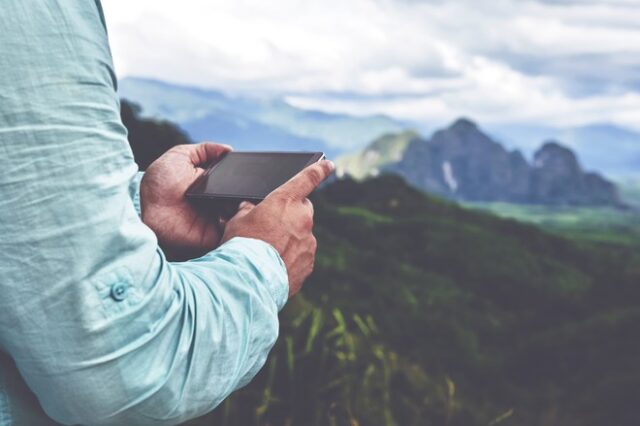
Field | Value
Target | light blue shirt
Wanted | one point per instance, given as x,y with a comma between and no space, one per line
102,328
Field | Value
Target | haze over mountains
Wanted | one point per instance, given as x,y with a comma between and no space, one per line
253,124
463,163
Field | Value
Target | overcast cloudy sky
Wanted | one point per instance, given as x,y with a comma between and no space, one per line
499,61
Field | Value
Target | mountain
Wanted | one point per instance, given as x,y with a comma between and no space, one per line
149,138
611,149
385,150
558,179
463,163
253,123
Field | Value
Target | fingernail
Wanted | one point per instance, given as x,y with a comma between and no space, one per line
331,165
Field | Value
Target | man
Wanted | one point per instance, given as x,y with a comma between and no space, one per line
94,319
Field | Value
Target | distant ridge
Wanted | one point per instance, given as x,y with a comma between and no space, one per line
253,123
611,149
462,162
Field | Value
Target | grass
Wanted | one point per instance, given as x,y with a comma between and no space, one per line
368,216
630,191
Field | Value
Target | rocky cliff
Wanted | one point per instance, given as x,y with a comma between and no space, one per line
464,163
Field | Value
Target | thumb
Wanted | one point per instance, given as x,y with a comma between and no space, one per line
201,154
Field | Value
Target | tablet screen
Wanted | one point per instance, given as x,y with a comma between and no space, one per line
251,174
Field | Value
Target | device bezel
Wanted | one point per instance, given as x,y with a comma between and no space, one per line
315,157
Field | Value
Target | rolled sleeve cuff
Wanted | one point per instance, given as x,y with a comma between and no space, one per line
134,191
266,259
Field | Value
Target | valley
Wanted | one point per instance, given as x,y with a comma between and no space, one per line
599,224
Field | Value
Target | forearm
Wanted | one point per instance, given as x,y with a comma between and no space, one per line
173,351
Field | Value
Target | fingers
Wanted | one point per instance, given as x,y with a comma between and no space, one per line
246,205
307,203
303,184
244,208
206,152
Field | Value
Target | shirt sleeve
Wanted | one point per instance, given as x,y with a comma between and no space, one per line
102,327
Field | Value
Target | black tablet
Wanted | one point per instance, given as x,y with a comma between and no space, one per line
250,176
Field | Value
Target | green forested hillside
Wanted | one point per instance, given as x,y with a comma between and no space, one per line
421,312
382,152
630,191
598,224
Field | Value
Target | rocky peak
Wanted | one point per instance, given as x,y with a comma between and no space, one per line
556,158
462,162
464,139
462,131
464,125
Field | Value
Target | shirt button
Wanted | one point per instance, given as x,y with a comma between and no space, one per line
119,291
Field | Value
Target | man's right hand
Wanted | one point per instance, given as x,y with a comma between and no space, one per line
285,220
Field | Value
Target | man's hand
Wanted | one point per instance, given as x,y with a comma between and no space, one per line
285,220
182,231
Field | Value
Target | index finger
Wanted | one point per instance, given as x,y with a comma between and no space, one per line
303,184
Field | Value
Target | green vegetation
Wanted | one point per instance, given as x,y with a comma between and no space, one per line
603,224
630,191
383,151
422,312
149,138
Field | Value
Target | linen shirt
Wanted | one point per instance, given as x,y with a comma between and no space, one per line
96,326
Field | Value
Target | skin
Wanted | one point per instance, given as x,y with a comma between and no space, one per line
182,231
284,219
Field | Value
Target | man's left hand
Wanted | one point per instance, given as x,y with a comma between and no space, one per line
182,231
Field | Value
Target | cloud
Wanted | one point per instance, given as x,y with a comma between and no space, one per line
556,62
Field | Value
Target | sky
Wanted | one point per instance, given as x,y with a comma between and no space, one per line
559,63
